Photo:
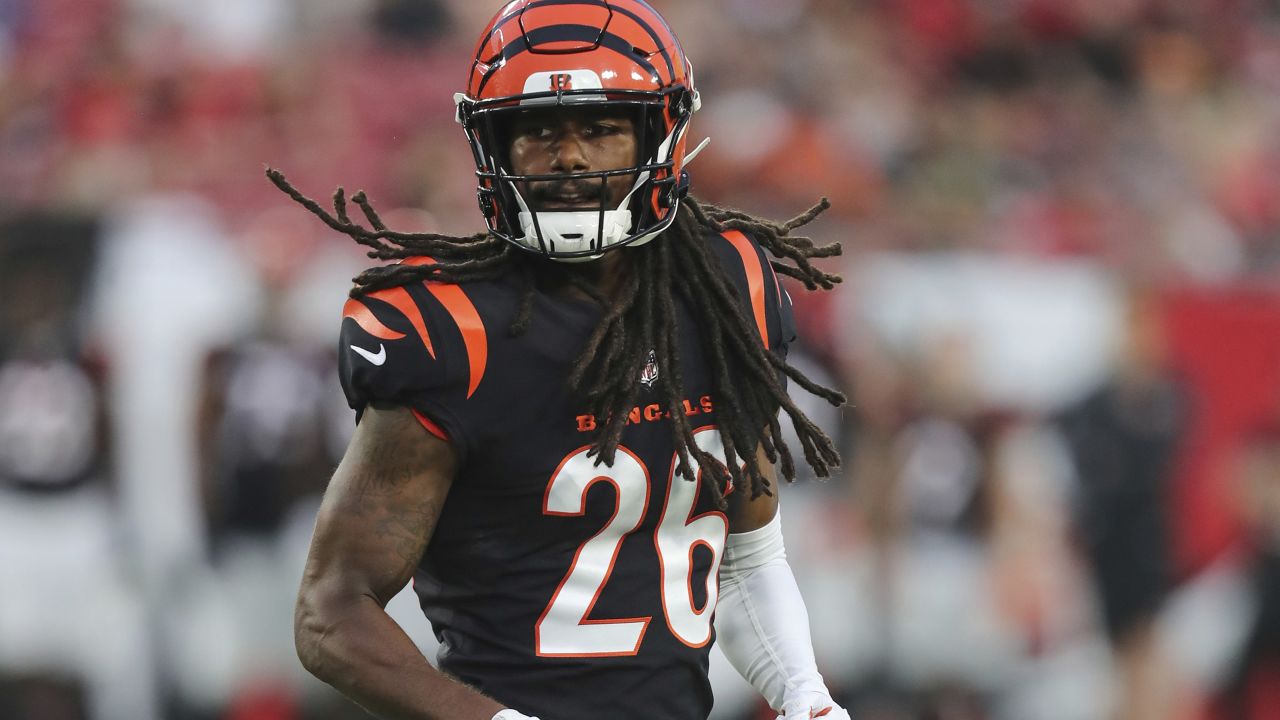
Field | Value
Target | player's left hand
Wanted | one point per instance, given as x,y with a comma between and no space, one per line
811,706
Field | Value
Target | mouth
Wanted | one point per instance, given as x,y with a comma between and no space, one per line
565,195
569,201
569,204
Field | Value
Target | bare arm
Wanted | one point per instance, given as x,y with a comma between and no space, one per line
746,514
378,514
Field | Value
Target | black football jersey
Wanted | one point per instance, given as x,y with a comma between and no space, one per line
561,588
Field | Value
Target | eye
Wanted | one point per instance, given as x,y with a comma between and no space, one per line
605,128
537,131
534,130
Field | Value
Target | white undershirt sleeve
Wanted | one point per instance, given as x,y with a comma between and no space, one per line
761,622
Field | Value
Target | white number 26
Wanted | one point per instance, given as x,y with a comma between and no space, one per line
563,630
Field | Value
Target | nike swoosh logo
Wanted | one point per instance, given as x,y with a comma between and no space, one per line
377,358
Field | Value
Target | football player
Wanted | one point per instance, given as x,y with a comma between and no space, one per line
568,424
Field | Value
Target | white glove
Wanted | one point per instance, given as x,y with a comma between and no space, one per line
811,705
509,714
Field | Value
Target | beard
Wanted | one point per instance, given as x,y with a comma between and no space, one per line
591,194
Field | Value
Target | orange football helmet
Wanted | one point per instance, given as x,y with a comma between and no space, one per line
540,53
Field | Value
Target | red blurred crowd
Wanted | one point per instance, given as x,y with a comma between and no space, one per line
1141,131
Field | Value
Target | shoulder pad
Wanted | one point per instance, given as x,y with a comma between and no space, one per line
764,298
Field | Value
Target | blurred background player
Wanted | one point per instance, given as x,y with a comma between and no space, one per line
1123,439
69,614
1251,689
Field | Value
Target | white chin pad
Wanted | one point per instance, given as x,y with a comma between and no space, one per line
575,231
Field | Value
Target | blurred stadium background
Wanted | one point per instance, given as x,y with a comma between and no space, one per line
1060,331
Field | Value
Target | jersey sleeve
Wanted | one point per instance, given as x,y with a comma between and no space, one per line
404,346
765,301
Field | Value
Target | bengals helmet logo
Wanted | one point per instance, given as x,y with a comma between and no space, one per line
649,375
561,82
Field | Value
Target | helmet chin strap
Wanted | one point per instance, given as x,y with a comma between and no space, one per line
577,230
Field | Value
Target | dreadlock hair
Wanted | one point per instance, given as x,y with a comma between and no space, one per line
746,376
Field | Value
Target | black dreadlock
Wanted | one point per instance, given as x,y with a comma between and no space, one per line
746,376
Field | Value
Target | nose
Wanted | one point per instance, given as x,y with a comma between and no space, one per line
569,152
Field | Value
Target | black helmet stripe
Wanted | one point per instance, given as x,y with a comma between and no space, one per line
516,15
662,47
566,33
644,25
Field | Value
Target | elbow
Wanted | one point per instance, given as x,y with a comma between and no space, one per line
311,627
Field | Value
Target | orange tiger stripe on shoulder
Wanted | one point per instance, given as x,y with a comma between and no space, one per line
465,315
755,278
367,321
399,298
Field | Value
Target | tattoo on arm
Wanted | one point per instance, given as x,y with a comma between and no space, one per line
407,532
391,493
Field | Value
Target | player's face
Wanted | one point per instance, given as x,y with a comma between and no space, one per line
558,141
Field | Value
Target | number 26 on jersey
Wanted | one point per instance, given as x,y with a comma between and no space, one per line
563,630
